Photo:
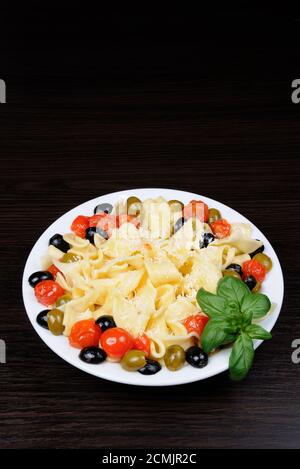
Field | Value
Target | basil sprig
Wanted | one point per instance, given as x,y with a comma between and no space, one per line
231,312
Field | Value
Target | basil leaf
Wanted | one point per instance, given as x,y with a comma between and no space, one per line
257,332
215,333
211,304
246,319
241,357
233,290
257,303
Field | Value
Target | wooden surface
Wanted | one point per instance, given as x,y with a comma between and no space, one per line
88,117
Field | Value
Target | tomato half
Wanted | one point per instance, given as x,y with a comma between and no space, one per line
80,225
85,333
142,342
196,209
221,228
103,221
254,268
196,323
47,292
116,342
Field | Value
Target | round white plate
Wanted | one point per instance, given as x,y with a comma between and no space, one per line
273,287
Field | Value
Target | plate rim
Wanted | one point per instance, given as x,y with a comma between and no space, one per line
143,382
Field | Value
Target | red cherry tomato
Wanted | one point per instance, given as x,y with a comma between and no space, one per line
196,323
221,228
54,270
94,220
79,225
85,333
255,268
116,342
196,209
142,342
47,292
120,219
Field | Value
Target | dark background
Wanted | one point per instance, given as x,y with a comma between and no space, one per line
104,101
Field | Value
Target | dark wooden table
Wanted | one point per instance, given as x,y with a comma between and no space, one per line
89,115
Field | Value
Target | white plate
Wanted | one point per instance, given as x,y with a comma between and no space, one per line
273,287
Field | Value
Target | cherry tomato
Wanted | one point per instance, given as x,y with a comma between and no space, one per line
54,270
116,342
80,225
127,219
103,221
47,292
196,209
254,268
142,342
85,333
221,228
196,323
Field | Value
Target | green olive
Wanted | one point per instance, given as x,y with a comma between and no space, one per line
231,273
134,360
55,319
214,215
62,300
174,357
176,206
70,257
257,287
133,206
264,260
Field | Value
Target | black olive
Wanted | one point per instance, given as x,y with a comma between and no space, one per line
89,234
207,238
196,357
236,268
41,319
38,277
58,241
105,322
258,250
250,281
107,208
179,224
92,355
151,368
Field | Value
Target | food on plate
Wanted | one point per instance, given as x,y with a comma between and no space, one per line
153,284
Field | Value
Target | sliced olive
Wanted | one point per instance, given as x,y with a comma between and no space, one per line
38,277
236,267
174,357
90,233
214,215
41,318
176,205
265,260
62,300
258,250
133,206
102,233
231,273
257,287
133,360
70,257
92,355
151,368
179,224
105,322
107,208
250,281
58,241
55,319
206,239
196,357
